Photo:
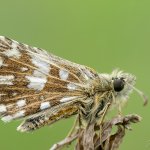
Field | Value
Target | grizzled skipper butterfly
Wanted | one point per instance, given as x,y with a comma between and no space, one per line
42,88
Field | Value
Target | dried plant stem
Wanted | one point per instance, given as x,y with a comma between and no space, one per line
100,137
67,141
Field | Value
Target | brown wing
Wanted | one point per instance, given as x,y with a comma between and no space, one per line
33,82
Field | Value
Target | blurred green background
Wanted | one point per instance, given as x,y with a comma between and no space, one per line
102,34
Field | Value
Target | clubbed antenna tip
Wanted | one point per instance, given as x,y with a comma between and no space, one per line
145,100
143,96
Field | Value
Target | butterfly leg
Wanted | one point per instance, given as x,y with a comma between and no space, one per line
75,127
118,105
102,116
102,113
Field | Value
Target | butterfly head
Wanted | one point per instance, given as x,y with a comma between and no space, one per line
122,84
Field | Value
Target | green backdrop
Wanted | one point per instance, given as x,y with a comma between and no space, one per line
102,34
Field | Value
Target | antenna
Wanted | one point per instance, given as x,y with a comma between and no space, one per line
143,96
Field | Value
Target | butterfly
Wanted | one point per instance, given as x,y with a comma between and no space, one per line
42,88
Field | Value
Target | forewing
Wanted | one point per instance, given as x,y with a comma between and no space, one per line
32,81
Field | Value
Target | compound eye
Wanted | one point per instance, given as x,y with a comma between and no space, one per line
118,84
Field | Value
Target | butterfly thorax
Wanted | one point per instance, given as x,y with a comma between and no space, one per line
98,94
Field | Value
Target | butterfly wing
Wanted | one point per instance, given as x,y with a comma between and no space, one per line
34,82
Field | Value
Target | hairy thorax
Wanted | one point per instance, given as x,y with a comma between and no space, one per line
98,94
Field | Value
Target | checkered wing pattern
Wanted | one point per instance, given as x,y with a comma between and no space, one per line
38,86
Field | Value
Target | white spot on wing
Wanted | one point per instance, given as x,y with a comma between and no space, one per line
19,114
36,82
39,77
43,66
86,77
2,38
1,61
14,52
24,69
37,73
6,79
7,118
44,105
2,108
63,74
71,86
21,103
66,99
